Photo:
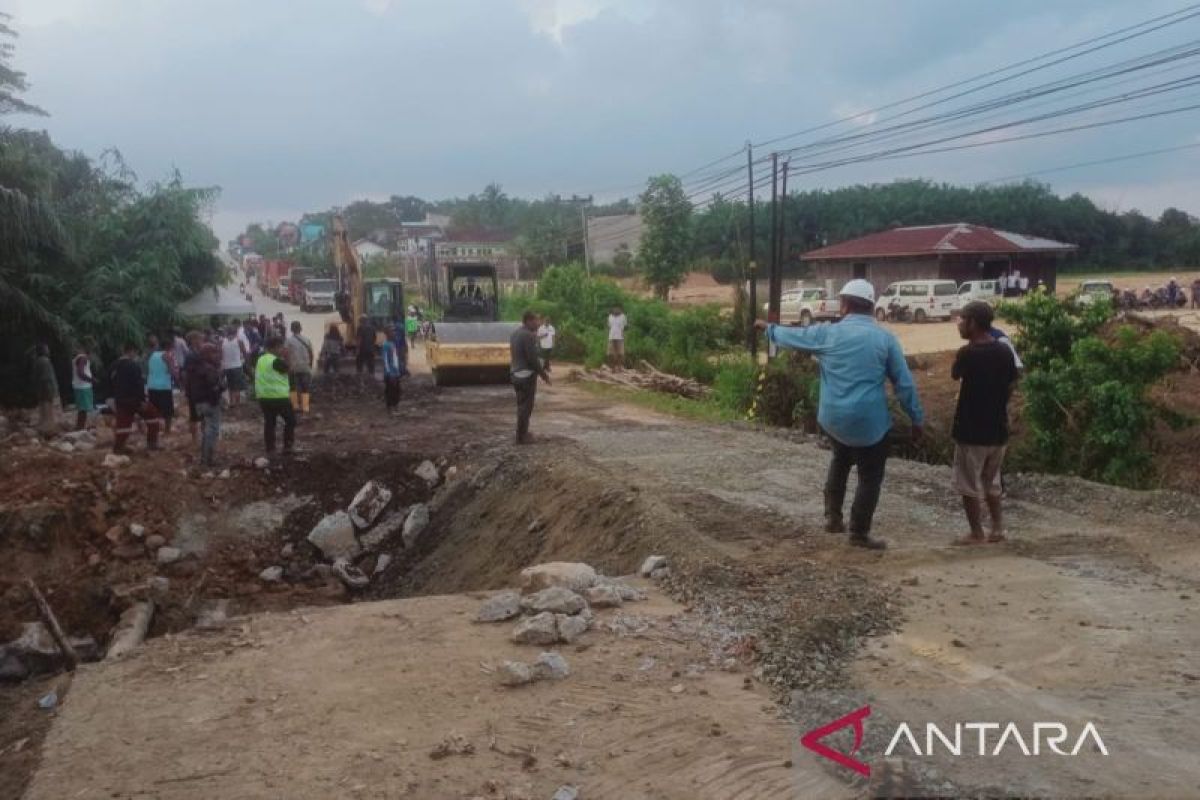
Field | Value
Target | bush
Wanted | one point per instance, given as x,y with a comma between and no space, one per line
784,393
1086,397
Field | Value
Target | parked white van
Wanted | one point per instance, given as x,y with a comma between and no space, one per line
924,299
987,291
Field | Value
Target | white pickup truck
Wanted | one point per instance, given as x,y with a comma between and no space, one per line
805,306
318,294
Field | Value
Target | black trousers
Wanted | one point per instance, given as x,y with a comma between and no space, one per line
526,389
391,391
365,358
272,409
870,462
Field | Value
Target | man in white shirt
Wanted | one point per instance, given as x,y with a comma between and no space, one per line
616,338
545,335
233,357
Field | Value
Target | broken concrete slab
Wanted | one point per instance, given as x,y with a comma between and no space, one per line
168,555
514,673
571,626
538,629
388,527
427,472
131,630
350,575
271,574
503,606
334,536
556,600
650,564
567,574
603,596
415,524
368,504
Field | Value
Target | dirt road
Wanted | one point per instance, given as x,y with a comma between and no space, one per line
1087,611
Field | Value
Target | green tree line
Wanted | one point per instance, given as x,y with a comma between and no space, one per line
86,254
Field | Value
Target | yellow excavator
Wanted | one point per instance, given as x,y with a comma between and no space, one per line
470,344
380,300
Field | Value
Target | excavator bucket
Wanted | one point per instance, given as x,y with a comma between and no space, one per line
466,353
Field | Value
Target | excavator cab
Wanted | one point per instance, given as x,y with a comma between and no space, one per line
383,302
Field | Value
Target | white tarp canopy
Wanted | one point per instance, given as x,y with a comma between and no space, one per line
221,301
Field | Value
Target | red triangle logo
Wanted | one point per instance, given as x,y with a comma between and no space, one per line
812,740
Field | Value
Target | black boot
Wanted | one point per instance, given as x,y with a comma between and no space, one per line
865,540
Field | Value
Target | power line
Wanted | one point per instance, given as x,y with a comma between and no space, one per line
1094,163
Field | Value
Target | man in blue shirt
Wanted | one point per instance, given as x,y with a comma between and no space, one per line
856,355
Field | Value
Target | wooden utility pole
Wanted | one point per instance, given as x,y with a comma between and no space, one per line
773,291
752,270
781,244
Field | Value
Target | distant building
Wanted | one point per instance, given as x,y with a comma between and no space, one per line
288,235
958,251
311,232
367,250
612,234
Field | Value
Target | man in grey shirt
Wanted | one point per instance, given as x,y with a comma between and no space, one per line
526,366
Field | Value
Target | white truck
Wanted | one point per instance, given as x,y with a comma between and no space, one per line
804,306
318,294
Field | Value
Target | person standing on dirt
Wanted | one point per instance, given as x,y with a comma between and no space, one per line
129,399
45,384
545,334
856,357
366,347
205,382
395,366
233,363
332,349
616,337
271,387
987,373
412,326
1196,293
526,368
158,383
300,359
83,387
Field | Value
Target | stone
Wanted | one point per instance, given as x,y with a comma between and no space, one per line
115,534
155,541
538,629
159,585
262,462
64,447
85,446
368,504
571,626
129,552
427,472
451,473
514,673
556,600
350,575
138,531
392,524
112,461
381,564
131,630
569,575
334,536
551,666
213,613
287,550
501,607
677,689
566,792
603,596
224,474
271,574
650,564
168,555
415,524
660,573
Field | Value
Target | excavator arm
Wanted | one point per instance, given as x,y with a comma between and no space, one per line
345,261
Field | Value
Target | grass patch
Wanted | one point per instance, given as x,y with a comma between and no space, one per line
697,410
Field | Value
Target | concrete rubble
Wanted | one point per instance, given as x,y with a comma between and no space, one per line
504,606
556,600
368,504
651,564
131,630
415,524
35,652
427,472
334,536
569,575
349,574
549,666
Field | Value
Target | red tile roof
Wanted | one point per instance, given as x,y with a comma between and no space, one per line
924,240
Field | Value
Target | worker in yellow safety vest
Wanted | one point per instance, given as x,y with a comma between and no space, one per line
271,388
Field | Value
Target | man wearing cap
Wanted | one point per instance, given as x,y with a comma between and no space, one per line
856,355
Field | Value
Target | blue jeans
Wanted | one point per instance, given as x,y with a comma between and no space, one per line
210,419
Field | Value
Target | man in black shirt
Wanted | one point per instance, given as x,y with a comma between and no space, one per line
527,367
987,372
129,399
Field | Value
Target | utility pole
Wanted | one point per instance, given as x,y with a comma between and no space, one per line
773,293
777,284
752,271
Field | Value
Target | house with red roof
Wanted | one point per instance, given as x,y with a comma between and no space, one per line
957,251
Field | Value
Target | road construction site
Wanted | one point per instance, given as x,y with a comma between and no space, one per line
278,663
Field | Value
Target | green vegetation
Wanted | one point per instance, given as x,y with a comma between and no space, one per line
84,253
1086,394
667,237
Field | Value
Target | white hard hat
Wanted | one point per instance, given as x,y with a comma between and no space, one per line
860,289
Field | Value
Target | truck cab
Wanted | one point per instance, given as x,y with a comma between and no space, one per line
318,294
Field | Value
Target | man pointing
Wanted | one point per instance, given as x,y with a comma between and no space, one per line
856,355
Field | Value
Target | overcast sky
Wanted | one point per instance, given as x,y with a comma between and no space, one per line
300,105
